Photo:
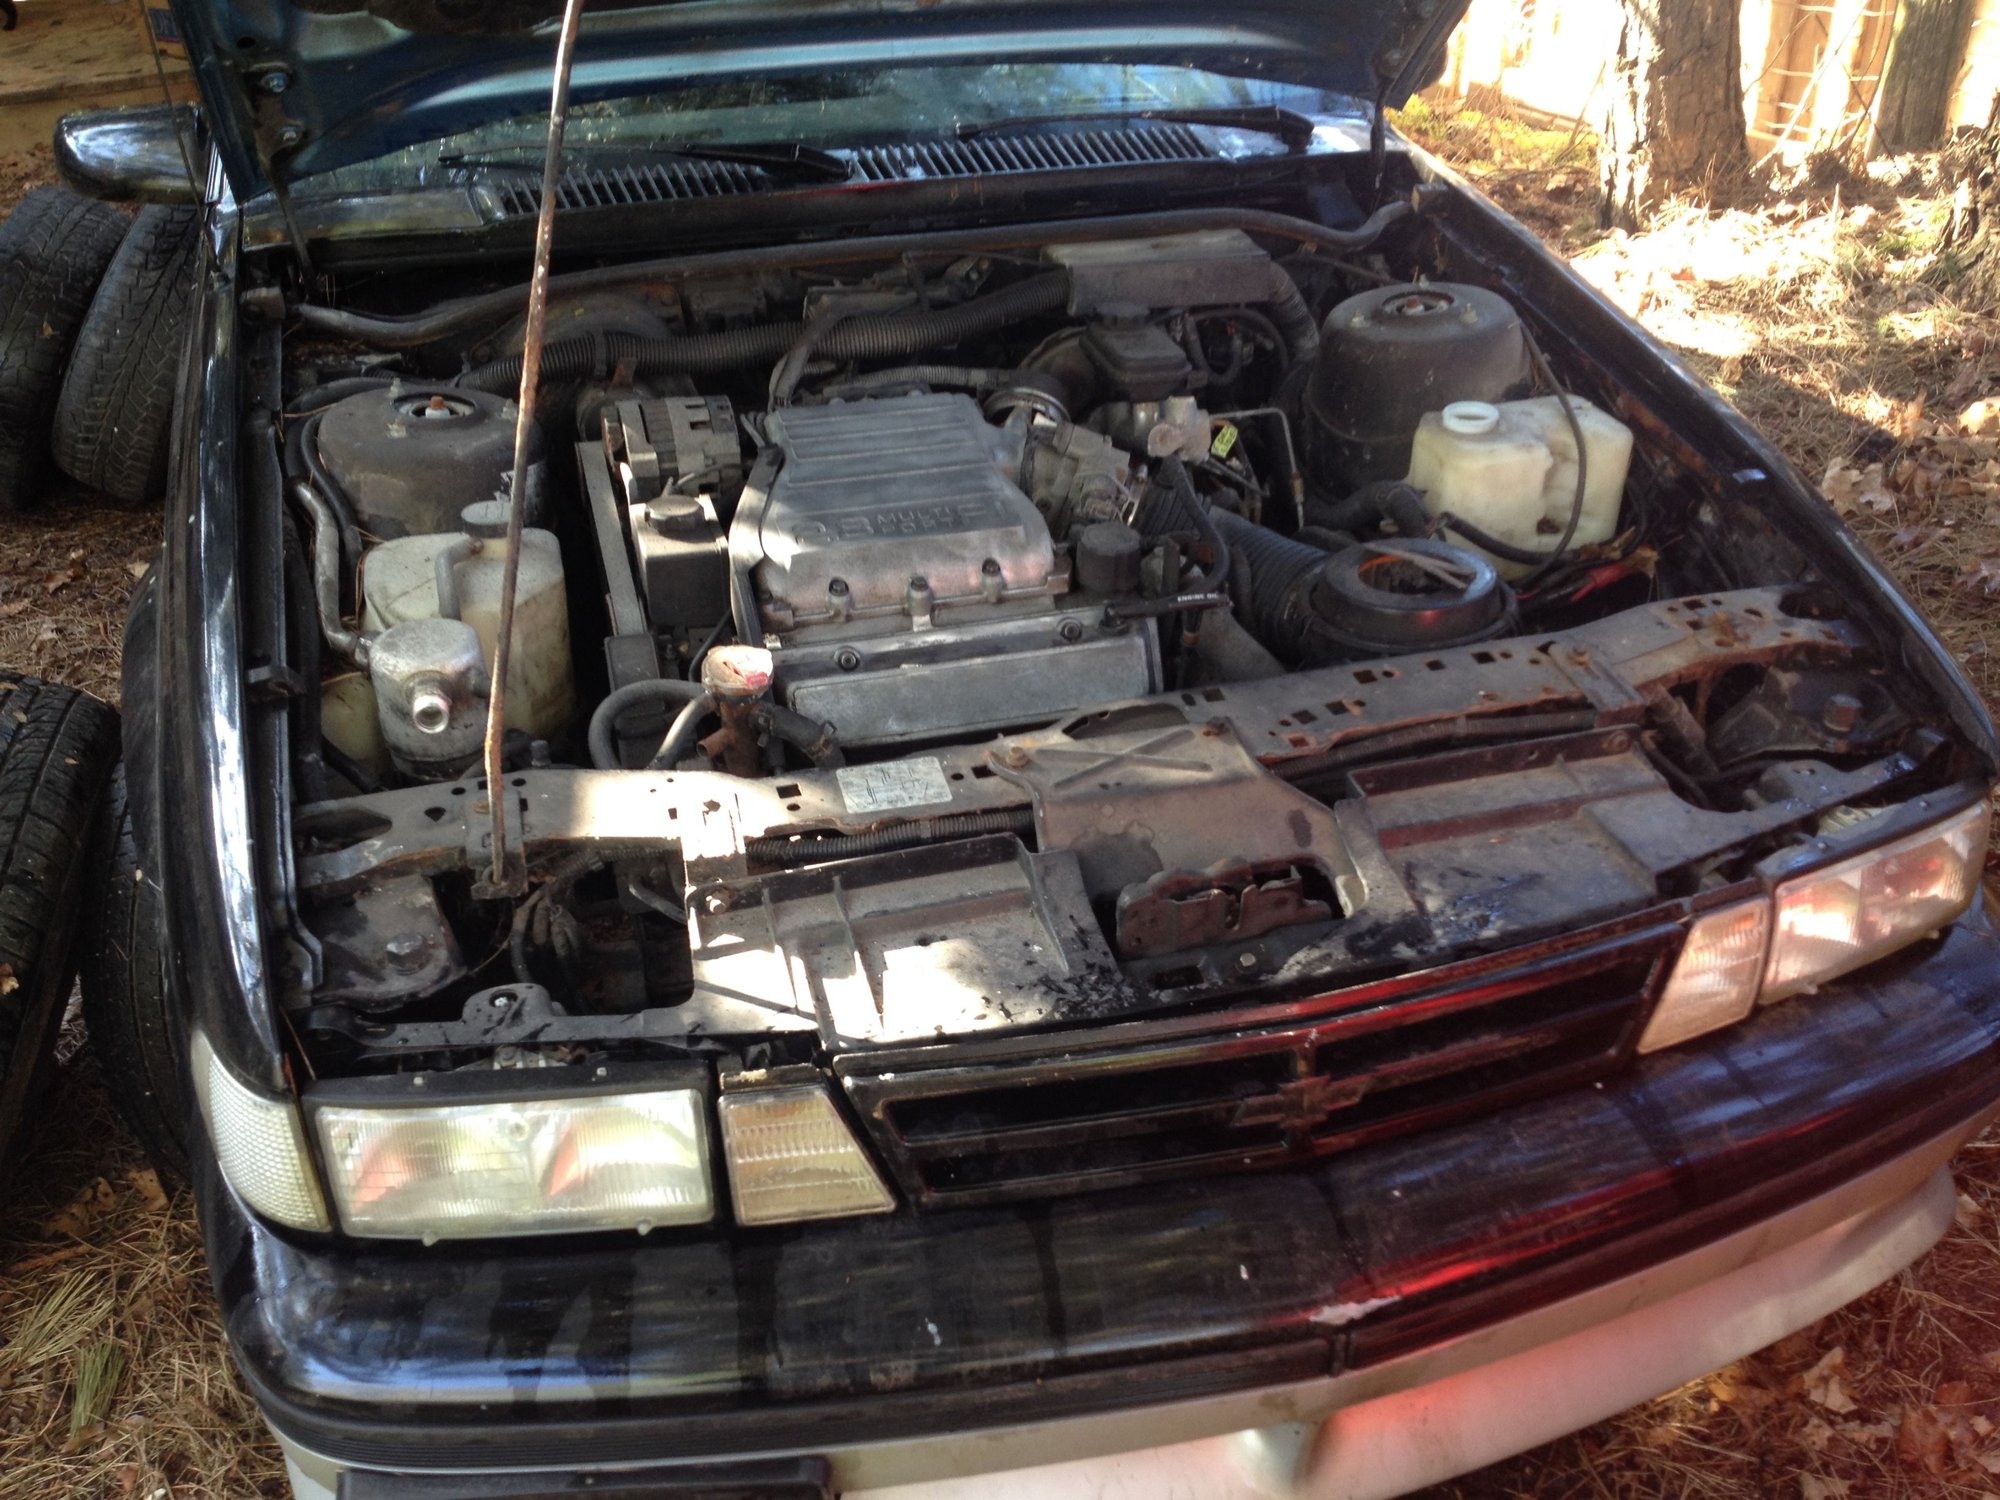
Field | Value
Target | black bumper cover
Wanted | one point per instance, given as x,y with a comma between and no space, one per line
621,1351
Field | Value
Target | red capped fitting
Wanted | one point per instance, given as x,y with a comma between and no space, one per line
737,674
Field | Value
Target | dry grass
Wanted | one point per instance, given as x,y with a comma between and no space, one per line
1811,313
95,1257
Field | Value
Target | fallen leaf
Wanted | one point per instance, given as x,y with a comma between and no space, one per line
8,983
1814,1487
1816,1435
1923,1441
1822,1383
146,1183
90,1204
137,569
14,607
1982,578
1971,375
1849,489
1914,538
1727,1388
1909,415
1968,1213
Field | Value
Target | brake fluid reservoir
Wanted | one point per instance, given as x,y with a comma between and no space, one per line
1509,468
403,580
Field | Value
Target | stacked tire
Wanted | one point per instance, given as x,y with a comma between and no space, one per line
58,753
94,308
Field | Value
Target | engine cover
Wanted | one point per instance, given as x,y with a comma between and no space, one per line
894,511
910,590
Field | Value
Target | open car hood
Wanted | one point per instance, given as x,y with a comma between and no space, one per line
297,87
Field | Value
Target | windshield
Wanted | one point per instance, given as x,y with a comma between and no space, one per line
851,107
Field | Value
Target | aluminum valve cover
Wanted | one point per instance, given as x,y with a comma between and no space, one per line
892,507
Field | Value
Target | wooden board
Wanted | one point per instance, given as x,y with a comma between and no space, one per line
76,54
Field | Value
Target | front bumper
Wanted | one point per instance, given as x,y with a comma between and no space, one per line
918,1347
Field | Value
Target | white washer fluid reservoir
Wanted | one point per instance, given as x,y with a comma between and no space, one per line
1509,468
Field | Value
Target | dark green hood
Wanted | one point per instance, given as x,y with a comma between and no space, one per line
297,87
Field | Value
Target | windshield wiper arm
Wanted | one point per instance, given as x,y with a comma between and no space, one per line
1288,125
790,159
780,159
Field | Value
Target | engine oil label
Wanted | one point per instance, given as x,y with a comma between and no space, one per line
895,783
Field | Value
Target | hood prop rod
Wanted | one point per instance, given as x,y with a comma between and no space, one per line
508,874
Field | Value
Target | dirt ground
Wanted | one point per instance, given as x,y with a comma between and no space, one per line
1812,310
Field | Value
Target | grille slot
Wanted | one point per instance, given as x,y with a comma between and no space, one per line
1259,1099
669,180
1054,151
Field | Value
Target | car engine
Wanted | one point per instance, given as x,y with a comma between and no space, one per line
998,633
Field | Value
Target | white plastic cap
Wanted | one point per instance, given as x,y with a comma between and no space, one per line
1471,418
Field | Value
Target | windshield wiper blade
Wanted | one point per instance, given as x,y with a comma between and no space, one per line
789,159
1288,125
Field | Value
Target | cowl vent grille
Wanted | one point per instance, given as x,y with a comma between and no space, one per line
650,182
673,181
1068,151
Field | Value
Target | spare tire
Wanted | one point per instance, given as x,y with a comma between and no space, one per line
57,748
54,249
115,417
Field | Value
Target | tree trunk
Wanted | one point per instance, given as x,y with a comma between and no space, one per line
1915,100
1675,121
1968,258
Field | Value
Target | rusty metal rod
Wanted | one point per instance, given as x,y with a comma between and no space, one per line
524,421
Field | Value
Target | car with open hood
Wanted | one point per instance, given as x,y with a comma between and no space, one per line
1073,780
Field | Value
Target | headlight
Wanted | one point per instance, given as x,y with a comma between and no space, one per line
1818,927
1715,979
635,1159
791,1157
1835,920
258,1142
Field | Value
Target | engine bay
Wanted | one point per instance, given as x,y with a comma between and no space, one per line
977,641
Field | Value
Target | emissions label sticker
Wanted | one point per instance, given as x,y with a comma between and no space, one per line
896,783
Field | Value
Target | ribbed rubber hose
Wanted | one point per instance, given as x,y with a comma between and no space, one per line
887,336
1277,566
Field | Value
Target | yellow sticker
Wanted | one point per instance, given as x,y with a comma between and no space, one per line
1225,439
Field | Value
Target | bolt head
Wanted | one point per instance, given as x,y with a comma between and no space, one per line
275,82
1841,713
1246,961
290,135
847,659
406,951
1015,756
